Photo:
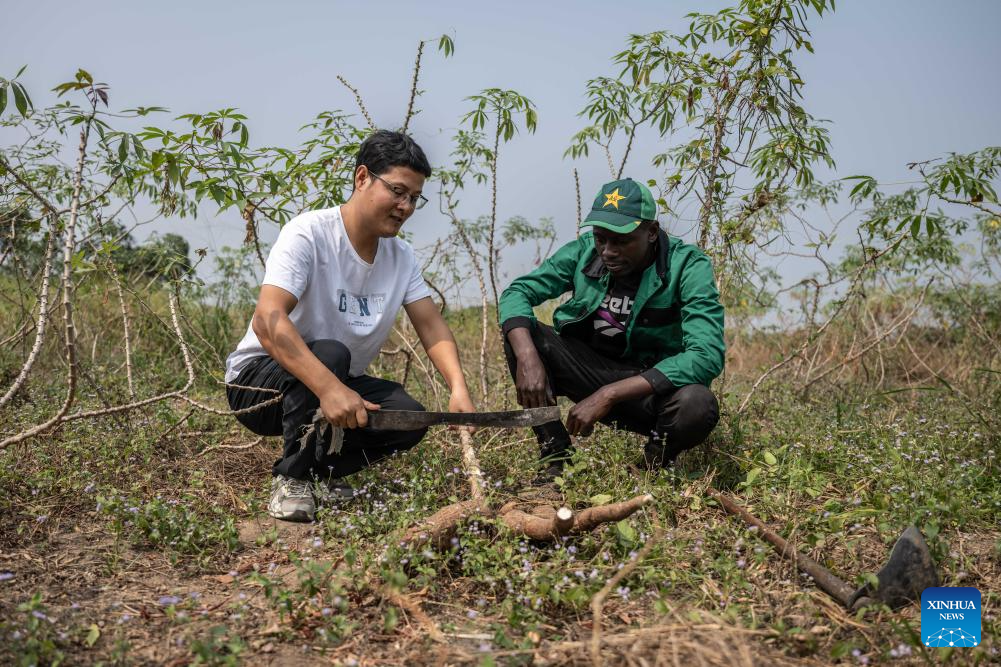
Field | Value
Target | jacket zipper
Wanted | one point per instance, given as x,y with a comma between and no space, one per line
587,314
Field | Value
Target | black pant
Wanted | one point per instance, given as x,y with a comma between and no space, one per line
673,421
362,446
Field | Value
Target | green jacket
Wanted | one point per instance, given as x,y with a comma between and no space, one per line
676,327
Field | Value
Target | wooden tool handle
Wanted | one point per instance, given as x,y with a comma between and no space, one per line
826,580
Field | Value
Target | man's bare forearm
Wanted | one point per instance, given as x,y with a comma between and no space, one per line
438,342
445,356
282,341
522,344
628,389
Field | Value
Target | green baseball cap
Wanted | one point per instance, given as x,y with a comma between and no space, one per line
621,206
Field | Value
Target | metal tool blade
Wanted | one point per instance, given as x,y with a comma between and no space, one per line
405,420
909,571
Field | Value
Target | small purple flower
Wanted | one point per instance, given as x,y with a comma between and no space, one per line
485,647
168,600
623,592
901,651
326,611
6,576
89,488
317,542
39,615
472,613
741,564
41,518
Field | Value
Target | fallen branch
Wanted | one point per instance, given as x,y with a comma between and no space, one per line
408,605
598,601
632,635
248,445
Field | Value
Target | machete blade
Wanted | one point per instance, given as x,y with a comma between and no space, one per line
408,420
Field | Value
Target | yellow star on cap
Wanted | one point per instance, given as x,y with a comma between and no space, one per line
613,198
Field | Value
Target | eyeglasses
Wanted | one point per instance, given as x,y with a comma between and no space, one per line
417,201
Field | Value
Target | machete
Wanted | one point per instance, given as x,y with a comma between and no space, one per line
408,420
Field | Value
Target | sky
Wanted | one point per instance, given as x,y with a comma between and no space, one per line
899,80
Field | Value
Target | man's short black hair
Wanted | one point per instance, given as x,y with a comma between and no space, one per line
384,149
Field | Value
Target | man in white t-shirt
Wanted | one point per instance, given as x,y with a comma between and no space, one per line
333,285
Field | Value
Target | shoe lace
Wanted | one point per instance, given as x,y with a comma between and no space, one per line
297,488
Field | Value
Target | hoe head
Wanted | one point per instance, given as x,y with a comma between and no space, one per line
909,571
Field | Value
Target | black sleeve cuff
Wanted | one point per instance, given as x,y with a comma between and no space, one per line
657,380
516,322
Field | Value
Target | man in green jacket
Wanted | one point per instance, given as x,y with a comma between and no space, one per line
636,345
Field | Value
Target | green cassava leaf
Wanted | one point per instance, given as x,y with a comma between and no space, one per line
625,531
20,98
93,634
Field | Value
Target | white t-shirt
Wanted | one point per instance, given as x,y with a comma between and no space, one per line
340,295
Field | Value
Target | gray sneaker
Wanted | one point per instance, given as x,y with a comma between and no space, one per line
291,499
332,491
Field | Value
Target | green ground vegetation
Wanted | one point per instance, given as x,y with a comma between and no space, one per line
123,530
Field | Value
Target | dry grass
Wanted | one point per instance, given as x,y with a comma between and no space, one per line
709,593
